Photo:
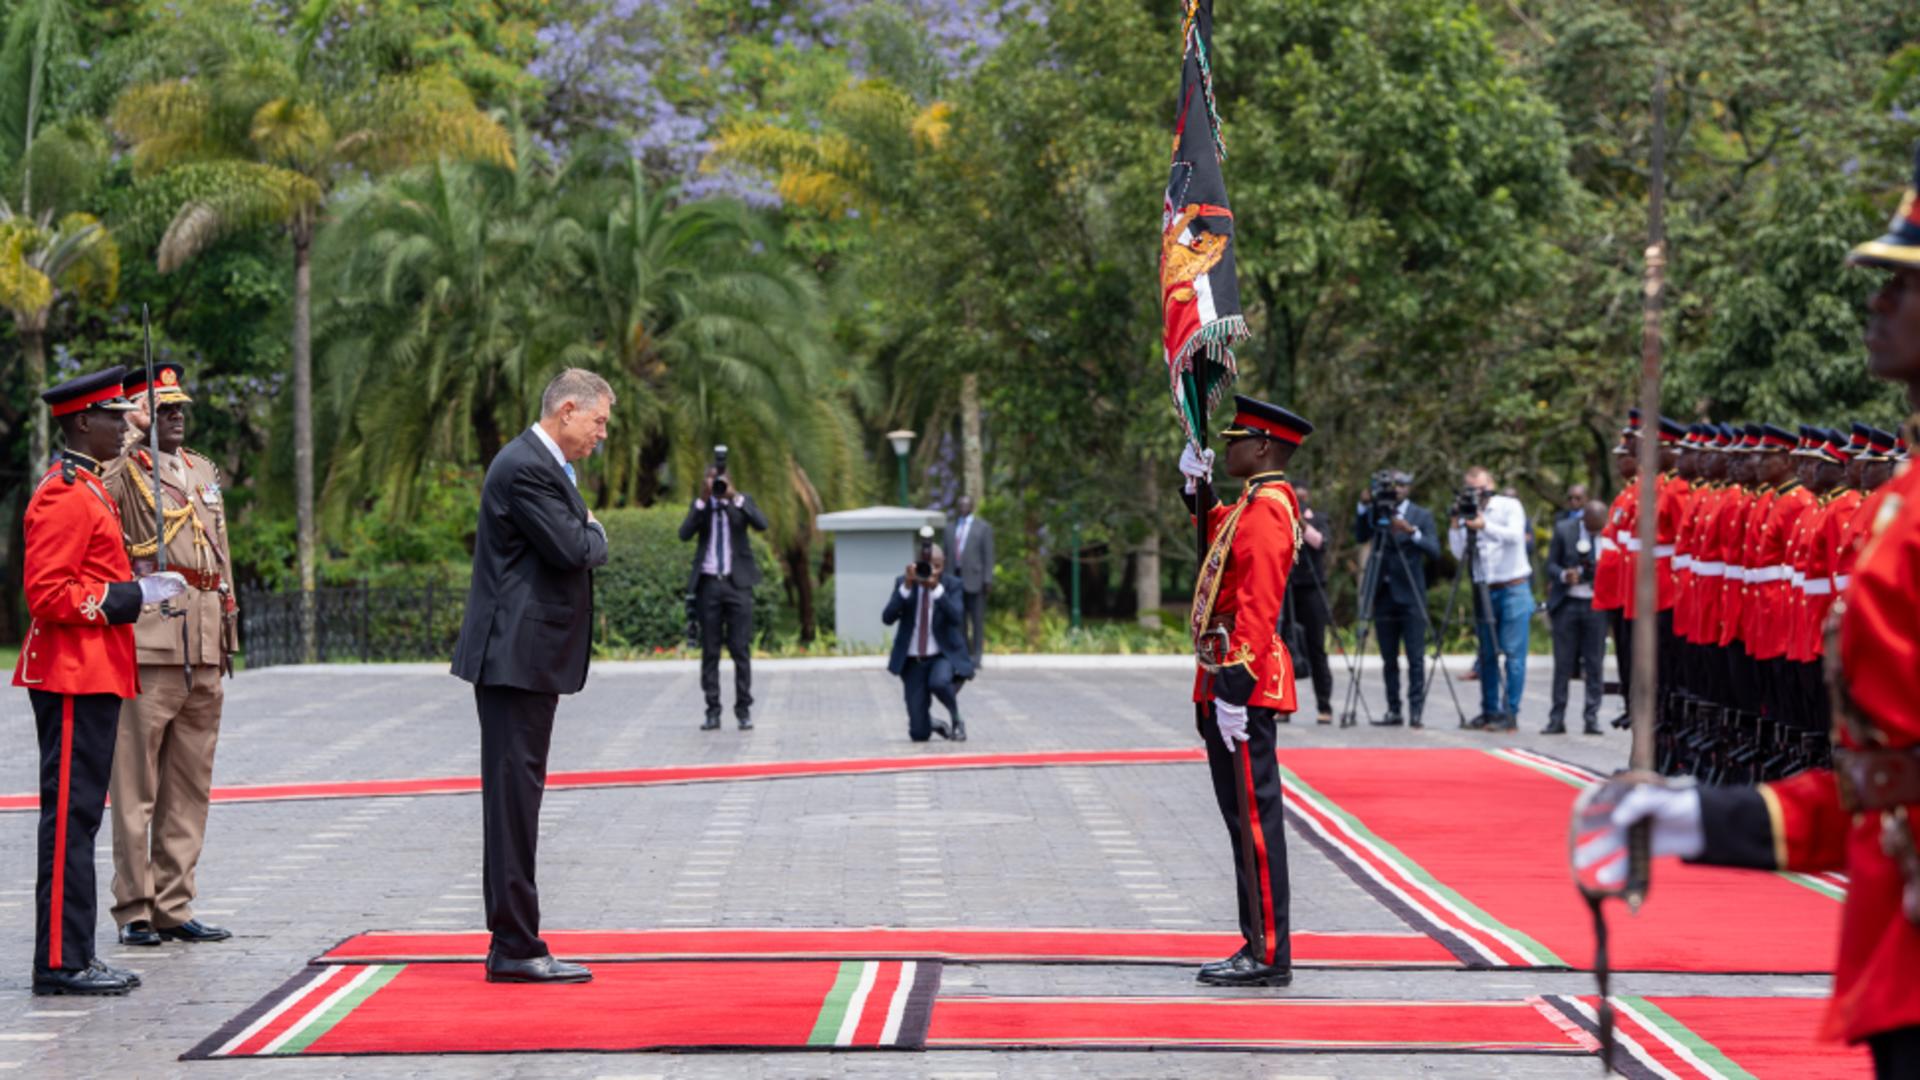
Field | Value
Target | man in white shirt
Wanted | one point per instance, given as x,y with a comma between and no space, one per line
929,649
1497,560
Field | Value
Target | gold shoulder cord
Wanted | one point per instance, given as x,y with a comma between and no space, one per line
176,520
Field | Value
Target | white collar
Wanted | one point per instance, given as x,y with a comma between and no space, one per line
552,447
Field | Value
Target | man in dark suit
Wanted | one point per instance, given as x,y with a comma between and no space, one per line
1410,539
1307,611
971,541
929,651
1579,632
525,641
724,574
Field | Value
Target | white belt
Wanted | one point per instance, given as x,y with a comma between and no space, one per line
1682,562
1799,579
1632,543
1767,574
1746,574
1818,586
1608,545
1709,569
1663,551
1841,581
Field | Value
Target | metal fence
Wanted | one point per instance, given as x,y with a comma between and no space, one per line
357,622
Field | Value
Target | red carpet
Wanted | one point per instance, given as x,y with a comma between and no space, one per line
680,774
451,1009
1724,1038
1500,1027
1471,846
1310,950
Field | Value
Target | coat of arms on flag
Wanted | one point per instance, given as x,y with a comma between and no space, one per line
1199,293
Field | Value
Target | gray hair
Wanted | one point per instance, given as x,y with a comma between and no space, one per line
578,385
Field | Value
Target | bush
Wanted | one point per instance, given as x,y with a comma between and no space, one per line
640,595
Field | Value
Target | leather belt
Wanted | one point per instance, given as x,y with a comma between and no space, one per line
1877,779
1509,584
204,580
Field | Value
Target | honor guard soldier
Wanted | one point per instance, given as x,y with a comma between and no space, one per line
1612,569
1768,576
1860,816
163,761
77,666
1244,688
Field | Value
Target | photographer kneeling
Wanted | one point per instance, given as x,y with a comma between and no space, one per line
721,590
930,648
1409,538
1490,532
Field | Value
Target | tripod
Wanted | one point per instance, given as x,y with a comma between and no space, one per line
1482,616
1365,619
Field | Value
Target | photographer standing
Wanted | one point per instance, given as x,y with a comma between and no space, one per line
1409,538
724,574
930,648
1490,532
1579,632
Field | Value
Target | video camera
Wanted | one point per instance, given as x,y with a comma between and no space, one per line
1383,498
720,471
1468,502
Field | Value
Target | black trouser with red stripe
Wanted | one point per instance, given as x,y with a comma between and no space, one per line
1246,783
77,733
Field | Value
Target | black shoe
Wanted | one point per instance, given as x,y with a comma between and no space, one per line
540,969
1555,727
941,729
959,730
195,931
1480,722
1244,970
1623,721
746,723
1324,718
132,978
139,932
1593,728
1392,719
91,982
1501,723
712,723
1215,967
1414,720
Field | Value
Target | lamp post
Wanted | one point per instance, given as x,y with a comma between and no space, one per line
902,441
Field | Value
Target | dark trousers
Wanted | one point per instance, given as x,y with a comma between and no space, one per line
976,622
1896,1053
1622,650
726,607
1579,640
1249,777
1396,626
77,733
1311,618
516,727
923,680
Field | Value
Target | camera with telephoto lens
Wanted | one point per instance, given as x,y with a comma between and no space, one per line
1468,503
720,471
1383,498
923,568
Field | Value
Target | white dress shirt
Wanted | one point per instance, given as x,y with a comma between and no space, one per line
553,448
923,621
1583,590
719,558
1502,552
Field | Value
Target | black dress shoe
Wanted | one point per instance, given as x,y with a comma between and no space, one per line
90,982
1623,721
941,729
540,969
195,931
118,973
712,723
1554,728
1244,970
1414,721
959,730
746,723
1214,967
1593,728
1392,719
139,932
1502,723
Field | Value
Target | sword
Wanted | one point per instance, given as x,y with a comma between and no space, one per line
159,499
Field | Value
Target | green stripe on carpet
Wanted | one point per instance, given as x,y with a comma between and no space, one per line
377,977
833,1011
1653,1016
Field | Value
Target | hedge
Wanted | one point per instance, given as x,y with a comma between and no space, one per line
640,595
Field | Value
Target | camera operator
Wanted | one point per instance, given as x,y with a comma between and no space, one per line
721,589
930,648
1409,538
1579,632
1307,608
1495,527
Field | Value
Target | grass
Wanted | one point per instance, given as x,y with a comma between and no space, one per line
9,656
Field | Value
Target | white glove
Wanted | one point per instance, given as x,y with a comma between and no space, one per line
1233,723
1195,466
1677,830
161,586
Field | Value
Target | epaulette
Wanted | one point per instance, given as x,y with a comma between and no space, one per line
68,471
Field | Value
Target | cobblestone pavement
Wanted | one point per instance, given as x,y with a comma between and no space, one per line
1008,847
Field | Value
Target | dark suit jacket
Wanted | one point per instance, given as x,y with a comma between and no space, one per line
699,522
947,631
1562,555
1405,580
975,564
529,621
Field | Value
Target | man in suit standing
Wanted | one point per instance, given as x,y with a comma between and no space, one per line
1400,600
971,541
929,651
525,641
1579,632
1308,612
724,574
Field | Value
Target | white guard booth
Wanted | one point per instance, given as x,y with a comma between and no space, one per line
871,547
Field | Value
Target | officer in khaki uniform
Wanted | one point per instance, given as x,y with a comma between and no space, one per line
163,759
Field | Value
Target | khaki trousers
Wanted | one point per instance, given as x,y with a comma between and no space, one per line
162,780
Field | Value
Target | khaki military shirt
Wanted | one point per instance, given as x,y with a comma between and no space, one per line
196,524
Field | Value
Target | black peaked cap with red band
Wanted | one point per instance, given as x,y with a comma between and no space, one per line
102,389
1775,437
1253,417
1671,430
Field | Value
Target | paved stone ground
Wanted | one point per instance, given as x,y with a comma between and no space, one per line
985,848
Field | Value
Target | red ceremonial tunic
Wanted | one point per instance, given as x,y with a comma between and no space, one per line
1258,671
1749,555
74,554
1850,537
1800,549
1708,569
1731,536
1841,512
1610,566
1670,504
1695,543
1768,578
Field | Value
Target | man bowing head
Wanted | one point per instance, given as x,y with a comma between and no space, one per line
525,641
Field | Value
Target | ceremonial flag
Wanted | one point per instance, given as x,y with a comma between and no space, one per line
1199,292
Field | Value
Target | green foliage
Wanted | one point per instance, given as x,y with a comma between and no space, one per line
640,595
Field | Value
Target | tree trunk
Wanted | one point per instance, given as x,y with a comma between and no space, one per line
970,449
1036,577
34,342
800,578
303,429
1146,565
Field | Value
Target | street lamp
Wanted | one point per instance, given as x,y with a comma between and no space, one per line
902,441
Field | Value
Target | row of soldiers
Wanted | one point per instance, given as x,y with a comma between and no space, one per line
1759,530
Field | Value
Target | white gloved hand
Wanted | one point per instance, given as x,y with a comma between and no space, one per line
1195,466
161,586
1677,830
1232,720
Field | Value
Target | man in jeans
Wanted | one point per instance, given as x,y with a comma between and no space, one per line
1499,562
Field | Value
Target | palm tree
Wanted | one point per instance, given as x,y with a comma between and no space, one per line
40,261
257,128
